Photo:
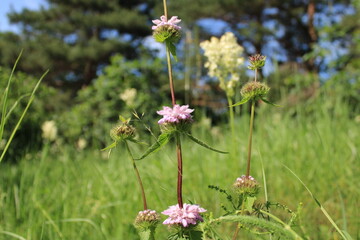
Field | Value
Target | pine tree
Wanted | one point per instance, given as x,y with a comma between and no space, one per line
75,38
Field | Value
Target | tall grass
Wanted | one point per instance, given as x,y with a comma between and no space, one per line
66,194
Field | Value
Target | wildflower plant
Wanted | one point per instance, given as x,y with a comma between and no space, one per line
187,220
175,121
146,220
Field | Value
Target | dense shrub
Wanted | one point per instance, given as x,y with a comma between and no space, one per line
125,86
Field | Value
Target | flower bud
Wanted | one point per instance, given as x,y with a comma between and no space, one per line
246,185
254,90
147,219
257,61
181,126
167,30
122,132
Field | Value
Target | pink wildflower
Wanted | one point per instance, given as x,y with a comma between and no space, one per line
163,21
175,114
189,214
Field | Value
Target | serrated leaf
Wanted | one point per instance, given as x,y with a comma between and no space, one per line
162,140
172,49
268,102
195,235
244,100
252,221
110,146
201,143
173,236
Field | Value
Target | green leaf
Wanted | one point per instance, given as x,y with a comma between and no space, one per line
201,143
136,141
244,100
146,234
252,221
110,146
122,119
171,47
268,102
162,140
249,203
195,235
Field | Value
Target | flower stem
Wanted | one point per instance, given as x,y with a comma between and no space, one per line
256,73
165,8
169,63
231,118
178,142
180,169
250,137
238,226
137,176
170,77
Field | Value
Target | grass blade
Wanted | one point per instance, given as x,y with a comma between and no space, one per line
32,96
15,105
12,235
320,206
5,96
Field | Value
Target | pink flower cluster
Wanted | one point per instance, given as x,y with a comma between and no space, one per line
163,21
244,178
175,114
189,214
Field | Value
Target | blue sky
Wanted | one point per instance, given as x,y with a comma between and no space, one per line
8,5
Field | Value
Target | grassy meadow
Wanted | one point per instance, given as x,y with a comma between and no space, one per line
62,193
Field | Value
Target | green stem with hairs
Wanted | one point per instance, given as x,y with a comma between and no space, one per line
239,224
251,131
137,175
171,82
250,137
231,118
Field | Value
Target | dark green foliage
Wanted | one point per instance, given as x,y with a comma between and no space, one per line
99,105
74,38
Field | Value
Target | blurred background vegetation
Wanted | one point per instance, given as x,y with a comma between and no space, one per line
103,62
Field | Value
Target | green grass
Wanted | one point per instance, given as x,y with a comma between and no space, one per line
66,194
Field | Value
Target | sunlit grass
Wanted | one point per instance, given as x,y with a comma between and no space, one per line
66,194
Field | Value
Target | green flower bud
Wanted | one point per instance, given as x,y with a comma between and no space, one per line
147,219
254,90
167,33
257,61
246,186
181,126
122,132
